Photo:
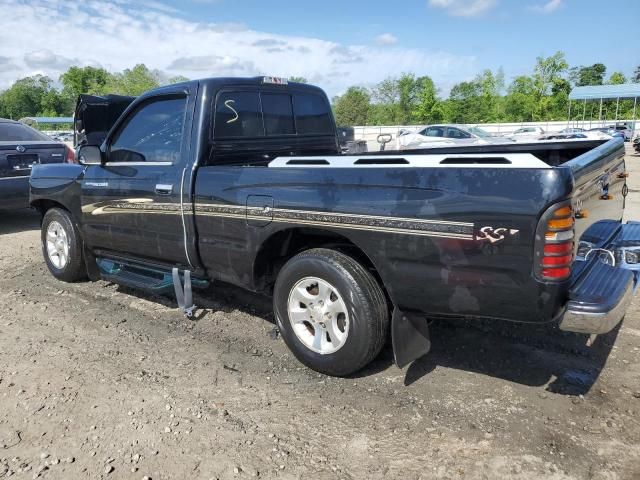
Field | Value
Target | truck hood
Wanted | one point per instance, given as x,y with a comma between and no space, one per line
94,117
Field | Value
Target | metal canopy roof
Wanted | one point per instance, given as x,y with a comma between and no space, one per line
597,92
47,119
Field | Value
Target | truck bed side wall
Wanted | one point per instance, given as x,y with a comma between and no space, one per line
440,266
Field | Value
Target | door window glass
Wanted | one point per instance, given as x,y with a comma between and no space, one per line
434,132
278,114
152,134
238,114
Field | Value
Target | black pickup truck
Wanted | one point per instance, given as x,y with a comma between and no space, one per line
242,181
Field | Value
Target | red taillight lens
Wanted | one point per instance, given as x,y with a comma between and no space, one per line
70,155
556,273
564,260
557,250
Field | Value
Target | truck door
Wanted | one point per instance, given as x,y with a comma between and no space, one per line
132,203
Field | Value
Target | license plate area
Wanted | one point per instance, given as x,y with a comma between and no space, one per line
19,163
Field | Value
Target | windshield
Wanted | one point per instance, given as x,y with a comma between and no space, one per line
17,132
479,132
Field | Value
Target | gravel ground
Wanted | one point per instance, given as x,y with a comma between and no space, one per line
98,381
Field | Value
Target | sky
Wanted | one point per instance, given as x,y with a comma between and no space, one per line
332,43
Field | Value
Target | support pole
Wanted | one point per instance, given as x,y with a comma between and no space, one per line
600,114
635,104
617,107
584,112
569,115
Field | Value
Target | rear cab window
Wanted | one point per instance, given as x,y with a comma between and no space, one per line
257,114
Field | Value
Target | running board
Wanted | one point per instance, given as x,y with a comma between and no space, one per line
153,279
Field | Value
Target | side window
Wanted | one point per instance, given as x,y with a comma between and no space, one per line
153,133
457,133
434,132
238,114
313,115
278,114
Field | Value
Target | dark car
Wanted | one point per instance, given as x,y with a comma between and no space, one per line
20,148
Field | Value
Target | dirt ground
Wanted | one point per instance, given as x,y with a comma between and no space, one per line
98,381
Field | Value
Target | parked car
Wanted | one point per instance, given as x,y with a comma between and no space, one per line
243,181
609,131
624,129
443,135
21,147
528,132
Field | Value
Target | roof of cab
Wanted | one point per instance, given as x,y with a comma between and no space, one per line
218,82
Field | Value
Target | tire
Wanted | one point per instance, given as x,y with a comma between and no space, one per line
61,246
342,335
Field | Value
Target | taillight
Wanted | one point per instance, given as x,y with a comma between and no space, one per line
555,243
70,155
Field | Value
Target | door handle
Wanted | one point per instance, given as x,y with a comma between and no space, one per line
162,189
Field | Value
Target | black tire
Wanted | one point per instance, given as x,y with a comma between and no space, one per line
364,299
74,268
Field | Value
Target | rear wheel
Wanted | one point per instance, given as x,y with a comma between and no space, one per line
61,246
331,311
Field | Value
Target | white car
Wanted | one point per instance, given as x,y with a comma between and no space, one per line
528,132
434,136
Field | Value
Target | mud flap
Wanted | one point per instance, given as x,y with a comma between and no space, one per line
409,336
93,272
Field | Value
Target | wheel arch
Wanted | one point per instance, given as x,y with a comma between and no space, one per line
282,245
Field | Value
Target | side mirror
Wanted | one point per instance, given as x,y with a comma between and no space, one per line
89,155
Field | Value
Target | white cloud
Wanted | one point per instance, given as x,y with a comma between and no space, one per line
386,39
121,33
548,7
464,8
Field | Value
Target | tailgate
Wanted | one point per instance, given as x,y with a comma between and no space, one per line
598,196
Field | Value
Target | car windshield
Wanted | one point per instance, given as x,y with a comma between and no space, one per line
479,132
17,132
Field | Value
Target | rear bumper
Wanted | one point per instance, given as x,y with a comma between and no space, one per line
598,318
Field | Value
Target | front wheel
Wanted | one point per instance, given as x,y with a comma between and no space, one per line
61,246
331,311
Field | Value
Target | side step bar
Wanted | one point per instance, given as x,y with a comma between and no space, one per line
153,279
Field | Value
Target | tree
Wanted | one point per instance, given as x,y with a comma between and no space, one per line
617,78
177,79
133,81
547,74
298,79
90,80
428,108
589,75
520,101
27,96
636,75
352,108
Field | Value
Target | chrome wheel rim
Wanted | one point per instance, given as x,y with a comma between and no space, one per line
57,245
318,315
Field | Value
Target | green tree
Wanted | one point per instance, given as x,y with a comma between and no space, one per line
588,75
520,101
26,98
134,81
90,80
177,79
298,79
617,78
352,108
427,108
